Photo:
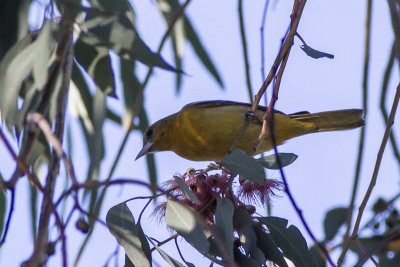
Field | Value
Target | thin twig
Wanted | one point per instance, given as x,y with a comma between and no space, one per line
164,241
21,165
385,85
45,127
296,15
245,52
8,221
179,251
262,36
374,175
363,129
286,46
365,251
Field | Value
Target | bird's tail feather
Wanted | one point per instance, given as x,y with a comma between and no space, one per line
333,120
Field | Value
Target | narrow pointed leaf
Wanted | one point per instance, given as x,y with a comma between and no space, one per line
334,219
271,162
200,51
97,63
183,220
238,162
122,225
289,240
243,222
3,210
25,57
185,189
315,53
269,247
171,261
223,226
321,262
116,31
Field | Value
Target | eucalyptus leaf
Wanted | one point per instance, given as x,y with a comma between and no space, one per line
321,262
223,227
201,52
185,189
97,63
121,224
183,31
171,261
184,221
168,9
315,53
116,31
25,57
243,223
269,247
289,240
243,260
238,162
3,209
131,86
334,219
271,161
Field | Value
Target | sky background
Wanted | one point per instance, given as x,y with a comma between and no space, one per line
322,176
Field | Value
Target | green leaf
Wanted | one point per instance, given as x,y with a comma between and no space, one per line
321,262
114,6
131,86
243,260
315,53
257,255
80,103
116,31
334,219
185,189
200,51
143,241
33,196
3,209
238,162
271,161
223,227
23,58
269,247
96,145
289,240
183,220
171,261
15,17
97,63
121,224
243,223
185,31
168,9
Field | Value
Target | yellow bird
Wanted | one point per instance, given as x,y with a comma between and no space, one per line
204,131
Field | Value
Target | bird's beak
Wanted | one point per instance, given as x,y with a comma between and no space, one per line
144,149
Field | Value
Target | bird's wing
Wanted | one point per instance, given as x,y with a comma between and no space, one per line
224,103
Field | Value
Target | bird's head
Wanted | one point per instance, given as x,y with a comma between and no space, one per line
157,137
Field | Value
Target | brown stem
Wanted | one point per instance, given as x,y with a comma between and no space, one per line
374,176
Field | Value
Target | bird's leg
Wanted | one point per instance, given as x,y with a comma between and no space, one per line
252,117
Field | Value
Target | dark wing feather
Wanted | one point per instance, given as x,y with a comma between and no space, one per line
222,103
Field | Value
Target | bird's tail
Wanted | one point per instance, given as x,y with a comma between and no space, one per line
333,120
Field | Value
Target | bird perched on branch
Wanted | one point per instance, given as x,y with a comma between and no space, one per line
205,131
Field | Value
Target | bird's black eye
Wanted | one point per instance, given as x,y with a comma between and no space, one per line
149,132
